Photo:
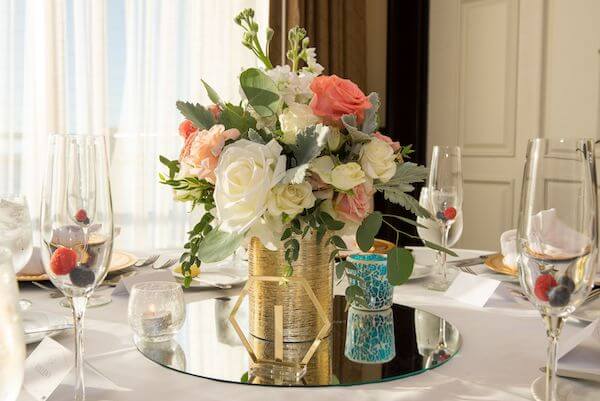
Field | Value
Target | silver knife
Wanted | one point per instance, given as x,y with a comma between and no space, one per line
51,329
469,261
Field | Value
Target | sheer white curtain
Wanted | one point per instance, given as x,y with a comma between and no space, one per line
114,67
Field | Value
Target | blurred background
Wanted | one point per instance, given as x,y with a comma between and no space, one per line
483,74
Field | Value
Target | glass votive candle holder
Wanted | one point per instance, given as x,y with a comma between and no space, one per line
156,310
370,336
371,276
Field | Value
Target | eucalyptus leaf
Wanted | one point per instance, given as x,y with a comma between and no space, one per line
212,94
370,122
197,114
261,92
368,229
400,264
217,245
233,116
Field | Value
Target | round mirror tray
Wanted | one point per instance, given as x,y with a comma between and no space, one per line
362,347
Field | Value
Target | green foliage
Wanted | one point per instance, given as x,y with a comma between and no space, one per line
217,245
212,94
368,229
406,201
245,19
172,165
261,92
397,188
309,143
197,114
355,295
371,122
400,263
233,116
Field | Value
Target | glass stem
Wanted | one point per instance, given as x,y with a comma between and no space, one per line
553,328
79,303
445,232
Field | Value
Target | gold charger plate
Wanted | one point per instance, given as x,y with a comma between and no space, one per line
379,246
120,260
494,262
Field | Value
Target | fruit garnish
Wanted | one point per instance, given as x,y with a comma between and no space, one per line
63,260
194,270
567,282
440,216
543,284
559,296
82,217
82,276
450,213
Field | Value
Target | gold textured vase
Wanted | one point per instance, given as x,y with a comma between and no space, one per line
301,319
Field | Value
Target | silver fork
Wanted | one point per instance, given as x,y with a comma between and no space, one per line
148,261
168,263
467,269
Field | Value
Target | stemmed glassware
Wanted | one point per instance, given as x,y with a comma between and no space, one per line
12,344
557,235
445,190
15,229
77,225
430,230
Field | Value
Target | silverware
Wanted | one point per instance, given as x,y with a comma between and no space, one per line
114,280
148,261
168,263
213,284
51,329
469,261
467,269
54,293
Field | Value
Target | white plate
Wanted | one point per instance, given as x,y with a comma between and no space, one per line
41,322
589,311
567,389
223,275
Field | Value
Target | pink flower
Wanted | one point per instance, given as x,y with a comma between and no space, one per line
187,128
202,149
387,139
333,97
215,111
354,207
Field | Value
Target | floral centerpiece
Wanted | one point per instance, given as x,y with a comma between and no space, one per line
301,155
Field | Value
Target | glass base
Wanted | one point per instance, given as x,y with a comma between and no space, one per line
93,301
438,284
566,389
276,373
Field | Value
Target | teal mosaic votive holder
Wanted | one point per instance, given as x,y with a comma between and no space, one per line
372,269
370,336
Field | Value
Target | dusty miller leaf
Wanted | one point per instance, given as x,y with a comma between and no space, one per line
309,143
371,122
197,114
406,201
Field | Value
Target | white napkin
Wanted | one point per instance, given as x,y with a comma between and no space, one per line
549,236
508,247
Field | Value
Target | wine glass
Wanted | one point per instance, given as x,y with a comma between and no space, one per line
15,229
445,198
430,230
557,235
77,226
12,343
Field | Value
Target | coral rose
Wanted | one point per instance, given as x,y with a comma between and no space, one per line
333,97
356,206
202,150
187,128
395,145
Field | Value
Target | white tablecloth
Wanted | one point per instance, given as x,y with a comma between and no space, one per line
503,349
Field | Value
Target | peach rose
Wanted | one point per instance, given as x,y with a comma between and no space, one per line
333,97
354,207
388,140
202,149
187,128
215,110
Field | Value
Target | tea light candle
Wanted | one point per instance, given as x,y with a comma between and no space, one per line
155,323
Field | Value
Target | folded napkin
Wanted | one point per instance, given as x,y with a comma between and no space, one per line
508,247
549,236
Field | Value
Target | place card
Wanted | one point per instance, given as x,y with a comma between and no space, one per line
124,286
46,368
472,289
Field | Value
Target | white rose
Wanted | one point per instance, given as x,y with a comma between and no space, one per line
268,229
347,176
246,173
334,139
295,118
378,160
323,166
290,199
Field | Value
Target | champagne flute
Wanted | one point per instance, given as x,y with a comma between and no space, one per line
557,235
431,231
445,196
77,226
15,229
12,343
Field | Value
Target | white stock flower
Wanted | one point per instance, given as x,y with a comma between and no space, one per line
295,118
378,160
293,87
290,199
347,176
311,61
246,173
